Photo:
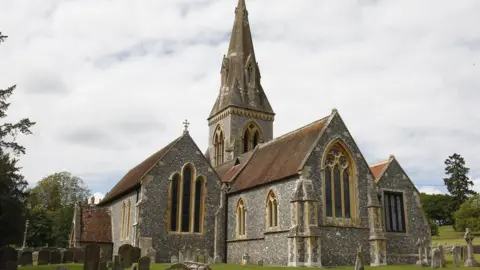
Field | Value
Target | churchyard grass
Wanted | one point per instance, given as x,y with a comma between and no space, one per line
451,237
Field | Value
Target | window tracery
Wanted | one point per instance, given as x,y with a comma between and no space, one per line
252,136
219,146
272,210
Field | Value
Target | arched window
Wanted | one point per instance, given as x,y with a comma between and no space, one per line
129,204
198,208
218,144
251,137
187,201
272,210
339,197
123,219
240,218
174,202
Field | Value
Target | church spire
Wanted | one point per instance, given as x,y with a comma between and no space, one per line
240,75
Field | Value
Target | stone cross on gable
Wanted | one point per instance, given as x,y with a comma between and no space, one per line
185,124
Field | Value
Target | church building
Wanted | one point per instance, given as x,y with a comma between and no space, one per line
305,198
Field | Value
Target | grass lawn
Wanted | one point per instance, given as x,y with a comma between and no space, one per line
449,236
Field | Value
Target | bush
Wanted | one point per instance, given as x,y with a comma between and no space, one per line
468,215
433,228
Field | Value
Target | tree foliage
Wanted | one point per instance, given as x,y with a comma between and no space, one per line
52,201
457,181
12,183
438,207
468,216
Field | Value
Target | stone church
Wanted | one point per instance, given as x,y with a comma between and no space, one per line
305,198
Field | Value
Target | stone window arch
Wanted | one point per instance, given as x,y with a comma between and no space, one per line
251,136
219,146
241,222
272,210
187,201
339,187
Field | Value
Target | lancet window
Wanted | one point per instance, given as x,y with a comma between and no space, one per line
241,218
251,137
219,146
272,210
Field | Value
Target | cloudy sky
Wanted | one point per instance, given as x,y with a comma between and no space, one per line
109,82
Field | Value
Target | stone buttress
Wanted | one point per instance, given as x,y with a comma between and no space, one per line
377,239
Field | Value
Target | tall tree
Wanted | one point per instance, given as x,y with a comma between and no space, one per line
52,200
457,181
438,207
12,183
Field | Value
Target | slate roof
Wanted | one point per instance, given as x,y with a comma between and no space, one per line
377,169
95,224
276,159
134,176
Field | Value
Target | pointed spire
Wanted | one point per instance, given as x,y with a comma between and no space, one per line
240,84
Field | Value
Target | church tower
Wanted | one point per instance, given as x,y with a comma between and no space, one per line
241,117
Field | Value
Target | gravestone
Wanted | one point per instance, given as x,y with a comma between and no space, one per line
43,257
188,255
470,261
26,258
200,258
455,256
35,257
102,265
476,249
151,253
126,255
144,263
11,265
78,255
55,257
420,262
7,254
136,254
443,261
436,258
359,259
116,263
426,248
178,266
67,256
92,257
244,259
173,259
260,263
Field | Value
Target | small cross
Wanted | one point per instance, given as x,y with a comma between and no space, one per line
185,124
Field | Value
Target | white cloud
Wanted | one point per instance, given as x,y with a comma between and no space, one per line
476,184
430,190
98,196
110,82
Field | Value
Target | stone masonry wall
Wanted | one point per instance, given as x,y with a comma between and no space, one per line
154,204
401,247
260,244
116,214
339,245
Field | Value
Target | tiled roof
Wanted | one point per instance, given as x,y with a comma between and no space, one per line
135,175
279,158
377,169
228,170
95,224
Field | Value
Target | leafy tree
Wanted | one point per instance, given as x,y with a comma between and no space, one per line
12,183
468,216
438,207
457,182
53,201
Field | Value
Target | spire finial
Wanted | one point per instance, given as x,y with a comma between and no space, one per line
185,124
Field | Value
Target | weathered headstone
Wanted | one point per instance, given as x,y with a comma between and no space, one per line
178,266
359,259
455,256
92,257
420,262
188,255
436,258
43,257
102,265
144,263
55,257
426,249
173,259
116,263
151,253
26,258
443,261
67,256
126,255
11,265
78,255
7,254
136,254
260,263
470,261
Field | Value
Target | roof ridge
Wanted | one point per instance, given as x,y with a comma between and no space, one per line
293,131
379,163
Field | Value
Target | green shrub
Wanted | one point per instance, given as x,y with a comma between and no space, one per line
433,228
468,215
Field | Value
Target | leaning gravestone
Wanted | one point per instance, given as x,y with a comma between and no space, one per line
126,257
43,257
92,257
436,258
67,256
26,258
144,263
11,265
55,257
136,254
455,256
78,255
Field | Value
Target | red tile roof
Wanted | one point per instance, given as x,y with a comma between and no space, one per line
279,158
377,169
95,224
134,176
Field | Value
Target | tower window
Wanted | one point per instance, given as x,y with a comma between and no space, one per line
218,144
251,137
